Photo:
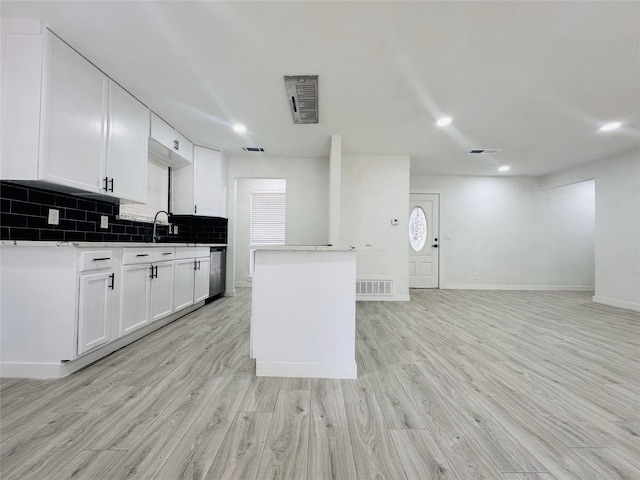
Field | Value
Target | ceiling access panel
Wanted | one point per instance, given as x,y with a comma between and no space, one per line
302,92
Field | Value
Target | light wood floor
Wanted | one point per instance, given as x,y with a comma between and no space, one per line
452,385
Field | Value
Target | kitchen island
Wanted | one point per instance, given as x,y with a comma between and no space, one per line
303,311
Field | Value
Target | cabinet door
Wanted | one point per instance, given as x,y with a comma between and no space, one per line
196,187
134,297
201,291
127,146
75,111
184,276
93,310
206,180
162,290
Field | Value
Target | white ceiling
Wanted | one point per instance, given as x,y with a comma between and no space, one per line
535,79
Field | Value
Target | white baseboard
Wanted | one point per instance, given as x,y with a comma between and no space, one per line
62,369
382,298
243,284
473,286
616,303
307,370
230,293
31,370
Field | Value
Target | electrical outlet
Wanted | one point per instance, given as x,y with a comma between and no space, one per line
104,221
54,216
475,275
175,229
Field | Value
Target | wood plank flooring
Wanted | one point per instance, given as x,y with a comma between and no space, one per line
464,385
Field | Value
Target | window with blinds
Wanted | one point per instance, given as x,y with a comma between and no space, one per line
267,224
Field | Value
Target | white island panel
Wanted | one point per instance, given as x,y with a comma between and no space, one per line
303,312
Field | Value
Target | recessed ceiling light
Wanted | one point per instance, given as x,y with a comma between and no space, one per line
444,121
504,168
610,126
238,128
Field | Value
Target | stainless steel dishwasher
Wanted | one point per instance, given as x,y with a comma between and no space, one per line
217,274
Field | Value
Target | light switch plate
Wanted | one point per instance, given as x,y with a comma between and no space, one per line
104,221
175,229
54,216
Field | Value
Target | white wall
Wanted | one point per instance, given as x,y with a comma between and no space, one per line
243,220
512,234
617,225
375,189
307,182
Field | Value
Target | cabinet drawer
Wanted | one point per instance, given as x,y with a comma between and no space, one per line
161,254
202,252
185,252
131,256
95,260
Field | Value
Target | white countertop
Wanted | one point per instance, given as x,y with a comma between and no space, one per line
306,248
30,243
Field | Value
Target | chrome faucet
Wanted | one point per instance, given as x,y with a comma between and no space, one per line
155,236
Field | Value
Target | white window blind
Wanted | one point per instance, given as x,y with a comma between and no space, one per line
267,225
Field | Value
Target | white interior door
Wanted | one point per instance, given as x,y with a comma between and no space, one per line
424,240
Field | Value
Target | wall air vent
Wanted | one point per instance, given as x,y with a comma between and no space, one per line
374,287
302,92
253,149
484,151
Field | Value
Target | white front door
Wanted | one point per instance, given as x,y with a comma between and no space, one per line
423,240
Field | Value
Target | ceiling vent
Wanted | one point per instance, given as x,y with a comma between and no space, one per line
484,151
302,92
253,149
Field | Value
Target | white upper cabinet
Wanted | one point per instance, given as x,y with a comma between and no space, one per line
56,123
74,111
167,145
201,189
127,146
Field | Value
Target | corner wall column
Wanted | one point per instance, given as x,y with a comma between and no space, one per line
335,173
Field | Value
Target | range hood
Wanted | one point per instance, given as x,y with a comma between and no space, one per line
302,92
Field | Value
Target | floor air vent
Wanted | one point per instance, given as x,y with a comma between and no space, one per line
302,91
374,287
253,149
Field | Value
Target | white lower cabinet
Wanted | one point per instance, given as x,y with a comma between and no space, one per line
192,276
94,310
162,290
88,299
184,275
134,299
147,286
96,297
201,287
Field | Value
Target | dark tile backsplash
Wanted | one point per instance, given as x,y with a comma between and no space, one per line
24,213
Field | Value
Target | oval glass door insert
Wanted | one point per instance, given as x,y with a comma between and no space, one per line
417,229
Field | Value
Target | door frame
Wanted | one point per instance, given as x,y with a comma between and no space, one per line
441,233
